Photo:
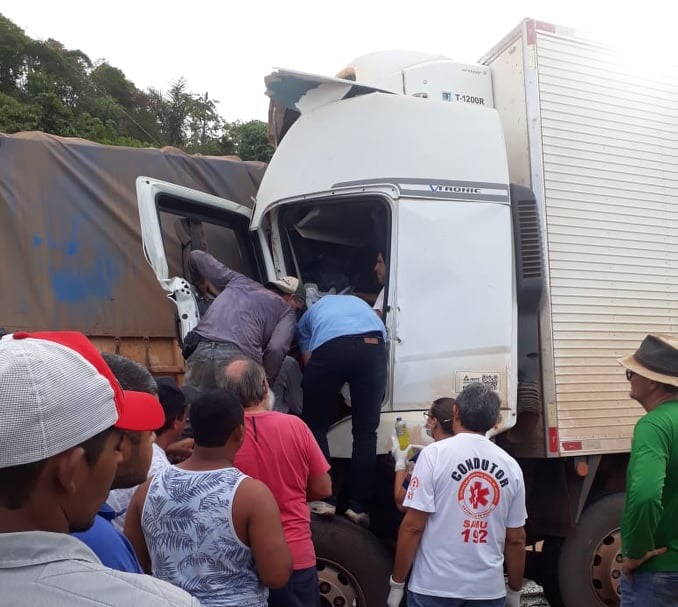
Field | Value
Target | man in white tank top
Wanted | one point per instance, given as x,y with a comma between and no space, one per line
465,517
205,526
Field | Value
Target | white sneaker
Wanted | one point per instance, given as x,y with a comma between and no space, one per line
322,508
359,518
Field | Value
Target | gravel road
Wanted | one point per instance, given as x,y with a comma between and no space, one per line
533,595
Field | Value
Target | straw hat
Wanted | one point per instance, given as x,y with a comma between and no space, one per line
655,359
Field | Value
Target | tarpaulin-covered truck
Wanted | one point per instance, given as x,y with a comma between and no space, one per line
525,209
70,248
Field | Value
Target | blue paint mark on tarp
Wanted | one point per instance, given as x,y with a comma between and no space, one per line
71,248
82,266
74,284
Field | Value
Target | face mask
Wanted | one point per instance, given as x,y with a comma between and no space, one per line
428,429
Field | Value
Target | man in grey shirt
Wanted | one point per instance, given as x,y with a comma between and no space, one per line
62,418
245,318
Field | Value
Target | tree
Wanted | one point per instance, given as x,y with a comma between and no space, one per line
13,43
205,126
45,86
112,81
16,116
251,140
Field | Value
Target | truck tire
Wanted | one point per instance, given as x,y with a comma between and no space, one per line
585,570
353,566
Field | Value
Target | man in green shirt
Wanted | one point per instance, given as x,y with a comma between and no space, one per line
650,521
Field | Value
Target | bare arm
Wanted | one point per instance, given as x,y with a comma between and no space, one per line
514,556
318,487
257,523
399,491
133,530
304,335
409,536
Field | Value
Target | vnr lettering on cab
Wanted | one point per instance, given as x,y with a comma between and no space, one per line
469,99
457,189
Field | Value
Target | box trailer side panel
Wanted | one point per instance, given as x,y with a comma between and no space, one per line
607,171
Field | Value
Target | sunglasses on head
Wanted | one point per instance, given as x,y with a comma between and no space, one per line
429,415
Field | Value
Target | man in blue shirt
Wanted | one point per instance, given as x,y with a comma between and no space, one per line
342,341
105,540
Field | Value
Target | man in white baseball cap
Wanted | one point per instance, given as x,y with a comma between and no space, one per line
62,414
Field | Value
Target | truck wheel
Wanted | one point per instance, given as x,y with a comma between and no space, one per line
585,570
353,566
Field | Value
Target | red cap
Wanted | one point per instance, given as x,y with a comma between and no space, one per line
137,411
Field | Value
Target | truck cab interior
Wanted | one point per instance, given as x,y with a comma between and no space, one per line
333,245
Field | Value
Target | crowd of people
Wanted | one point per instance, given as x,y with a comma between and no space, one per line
118,487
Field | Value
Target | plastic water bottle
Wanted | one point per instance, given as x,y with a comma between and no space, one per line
402,433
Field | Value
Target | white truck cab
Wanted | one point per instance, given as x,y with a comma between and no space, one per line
425,182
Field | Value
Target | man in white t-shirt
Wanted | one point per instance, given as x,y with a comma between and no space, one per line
465,517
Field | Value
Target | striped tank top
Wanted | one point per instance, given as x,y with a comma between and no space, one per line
188,525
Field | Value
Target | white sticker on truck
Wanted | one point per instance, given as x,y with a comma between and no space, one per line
491,379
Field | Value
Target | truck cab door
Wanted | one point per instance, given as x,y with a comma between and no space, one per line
176,220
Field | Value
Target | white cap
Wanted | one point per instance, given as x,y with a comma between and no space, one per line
56,392
290,285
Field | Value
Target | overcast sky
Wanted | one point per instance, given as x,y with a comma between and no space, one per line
226,47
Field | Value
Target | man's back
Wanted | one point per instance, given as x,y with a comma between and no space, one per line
473,491
280,451
188,522
336,316
55,569
244,313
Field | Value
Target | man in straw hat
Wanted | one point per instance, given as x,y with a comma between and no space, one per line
650,521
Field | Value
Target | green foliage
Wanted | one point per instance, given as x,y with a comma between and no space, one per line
47,87
16,116
251,140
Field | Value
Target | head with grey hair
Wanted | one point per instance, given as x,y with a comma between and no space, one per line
478,407
246,379
130,374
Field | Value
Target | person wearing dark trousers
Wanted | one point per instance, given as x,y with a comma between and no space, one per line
343,341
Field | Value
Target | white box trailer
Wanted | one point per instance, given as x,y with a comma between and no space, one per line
594,132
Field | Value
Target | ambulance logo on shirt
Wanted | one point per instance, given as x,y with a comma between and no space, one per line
478,494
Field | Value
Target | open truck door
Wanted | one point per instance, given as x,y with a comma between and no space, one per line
176,220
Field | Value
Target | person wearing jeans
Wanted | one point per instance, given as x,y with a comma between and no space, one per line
343,341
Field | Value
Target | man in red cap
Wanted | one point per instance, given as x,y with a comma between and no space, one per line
62,415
